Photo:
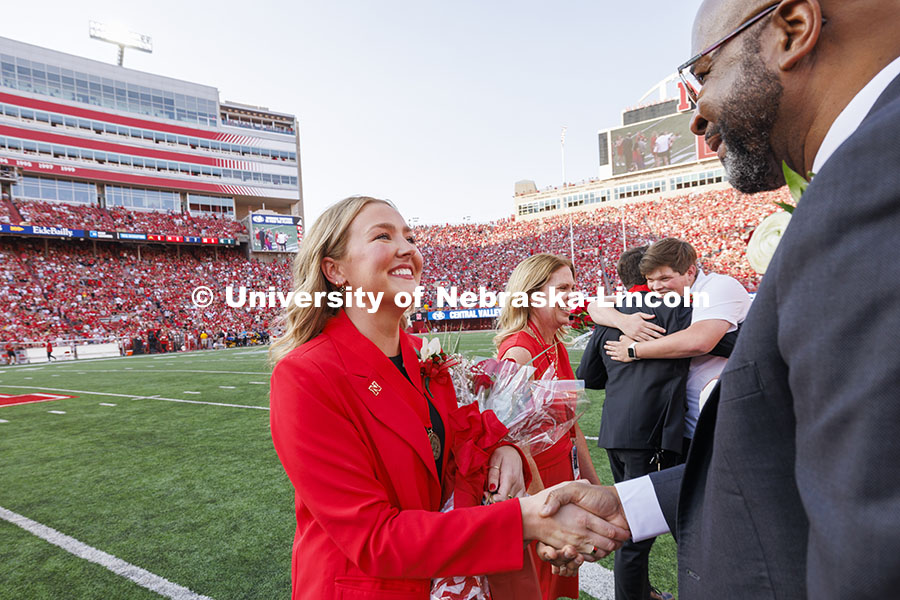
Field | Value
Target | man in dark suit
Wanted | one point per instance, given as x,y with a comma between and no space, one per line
792,484
643,423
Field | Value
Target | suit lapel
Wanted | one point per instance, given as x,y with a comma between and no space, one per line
383,389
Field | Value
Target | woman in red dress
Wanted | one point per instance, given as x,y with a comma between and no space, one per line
535,333
367,448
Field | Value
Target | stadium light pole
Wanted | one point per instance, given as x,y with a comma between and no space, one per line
562,149
121,37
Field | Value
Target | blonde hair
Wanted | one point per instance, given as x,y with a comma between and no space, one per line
326,238
529,276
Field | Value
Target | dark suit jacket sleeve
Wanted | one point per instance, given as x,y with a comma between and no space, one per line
726,344
591,368
840,344
667,485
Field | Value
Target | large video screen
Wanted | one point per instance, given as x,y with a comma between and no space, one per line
652,144
275,233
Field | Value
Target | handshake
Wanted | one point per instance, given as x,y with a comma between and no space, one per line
574,522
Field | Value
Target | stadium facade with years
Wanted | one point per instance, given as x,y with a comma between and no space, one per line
81,131
651,154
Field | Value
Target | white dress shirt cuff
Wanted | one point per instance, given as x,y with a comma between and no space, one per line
645,517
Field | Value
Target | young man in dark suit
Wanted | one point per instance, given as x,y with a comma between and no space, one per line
792,485
643,423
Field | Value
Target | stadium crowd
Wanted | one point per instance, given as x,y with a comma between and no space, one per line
53,289
717,223
65,291
81,216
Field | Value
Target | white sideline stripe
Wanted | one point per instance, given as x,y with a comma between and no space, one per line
190,392
57,412
140,397
258,382
3,421
140,576
106,404
597,581
68,365
180,371
589,437
226,387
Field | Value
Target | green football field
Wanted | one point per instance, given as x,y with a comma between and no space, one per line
161,467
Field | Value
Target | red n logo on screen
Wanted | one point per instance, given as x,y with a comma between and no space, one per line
703,149
684,103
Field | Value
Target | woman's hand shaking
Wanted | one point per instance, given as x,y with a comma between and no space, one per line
574,521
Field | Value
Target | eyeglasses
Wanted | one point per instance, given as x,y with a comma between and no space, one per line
691,82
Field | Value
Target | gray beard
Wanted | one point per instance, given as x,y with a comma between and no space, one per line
749,160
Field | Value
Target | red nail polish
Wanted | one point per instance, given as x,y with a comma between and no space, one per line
493,487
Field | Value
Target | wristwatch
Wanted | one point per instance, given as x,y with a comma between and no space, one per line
631,352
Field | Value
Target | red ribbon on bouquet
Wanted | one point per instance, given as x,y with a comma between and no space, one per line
482,433
479,434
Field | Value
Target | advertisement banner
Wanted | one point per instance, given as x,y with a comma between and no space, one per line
472,313
41,230
275,233
124,235
109,235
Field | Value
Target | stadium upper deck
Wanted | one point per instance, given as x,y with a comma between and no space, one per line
81,131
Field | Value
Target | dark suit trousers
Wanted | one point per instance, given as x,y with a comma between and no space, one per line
632,560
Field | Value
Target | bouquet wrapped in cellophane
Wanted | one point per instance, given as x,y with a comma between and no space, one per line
536,412
499,402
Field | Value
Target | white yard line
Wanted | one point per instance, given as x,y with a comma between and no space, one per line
130,370
140,397
140,576
597,581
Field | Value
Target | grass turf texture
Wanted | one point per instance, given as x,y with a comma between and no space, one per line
193,493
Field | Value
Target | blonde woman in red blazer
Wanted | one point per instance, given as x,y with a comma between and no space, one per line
354,434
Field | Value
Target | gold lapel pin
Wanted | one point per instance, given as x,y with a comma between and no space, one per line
374,387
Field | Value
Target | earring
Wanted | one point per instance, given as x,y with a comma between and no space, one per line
342,287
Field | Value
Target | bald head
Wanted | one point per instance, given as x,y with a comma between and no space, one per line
717,18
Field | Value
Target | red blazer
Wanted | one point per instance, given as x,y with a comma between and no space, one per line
367,492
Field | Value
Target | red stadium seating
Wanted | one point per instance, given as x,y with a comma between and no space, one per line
80,216
68,292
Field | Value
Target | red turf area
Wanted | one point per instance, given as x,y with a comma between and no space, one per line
7,400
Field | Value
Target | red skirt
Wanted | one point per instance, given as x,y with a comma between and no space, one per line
555,466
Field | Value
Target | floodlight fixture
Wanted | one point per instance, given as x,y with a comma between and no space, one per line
121,37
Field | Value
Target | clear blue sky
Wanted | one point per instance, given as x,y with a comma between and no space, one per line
439,106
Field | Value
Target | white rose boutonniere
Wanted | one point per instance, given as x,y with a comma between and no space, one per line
768,233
